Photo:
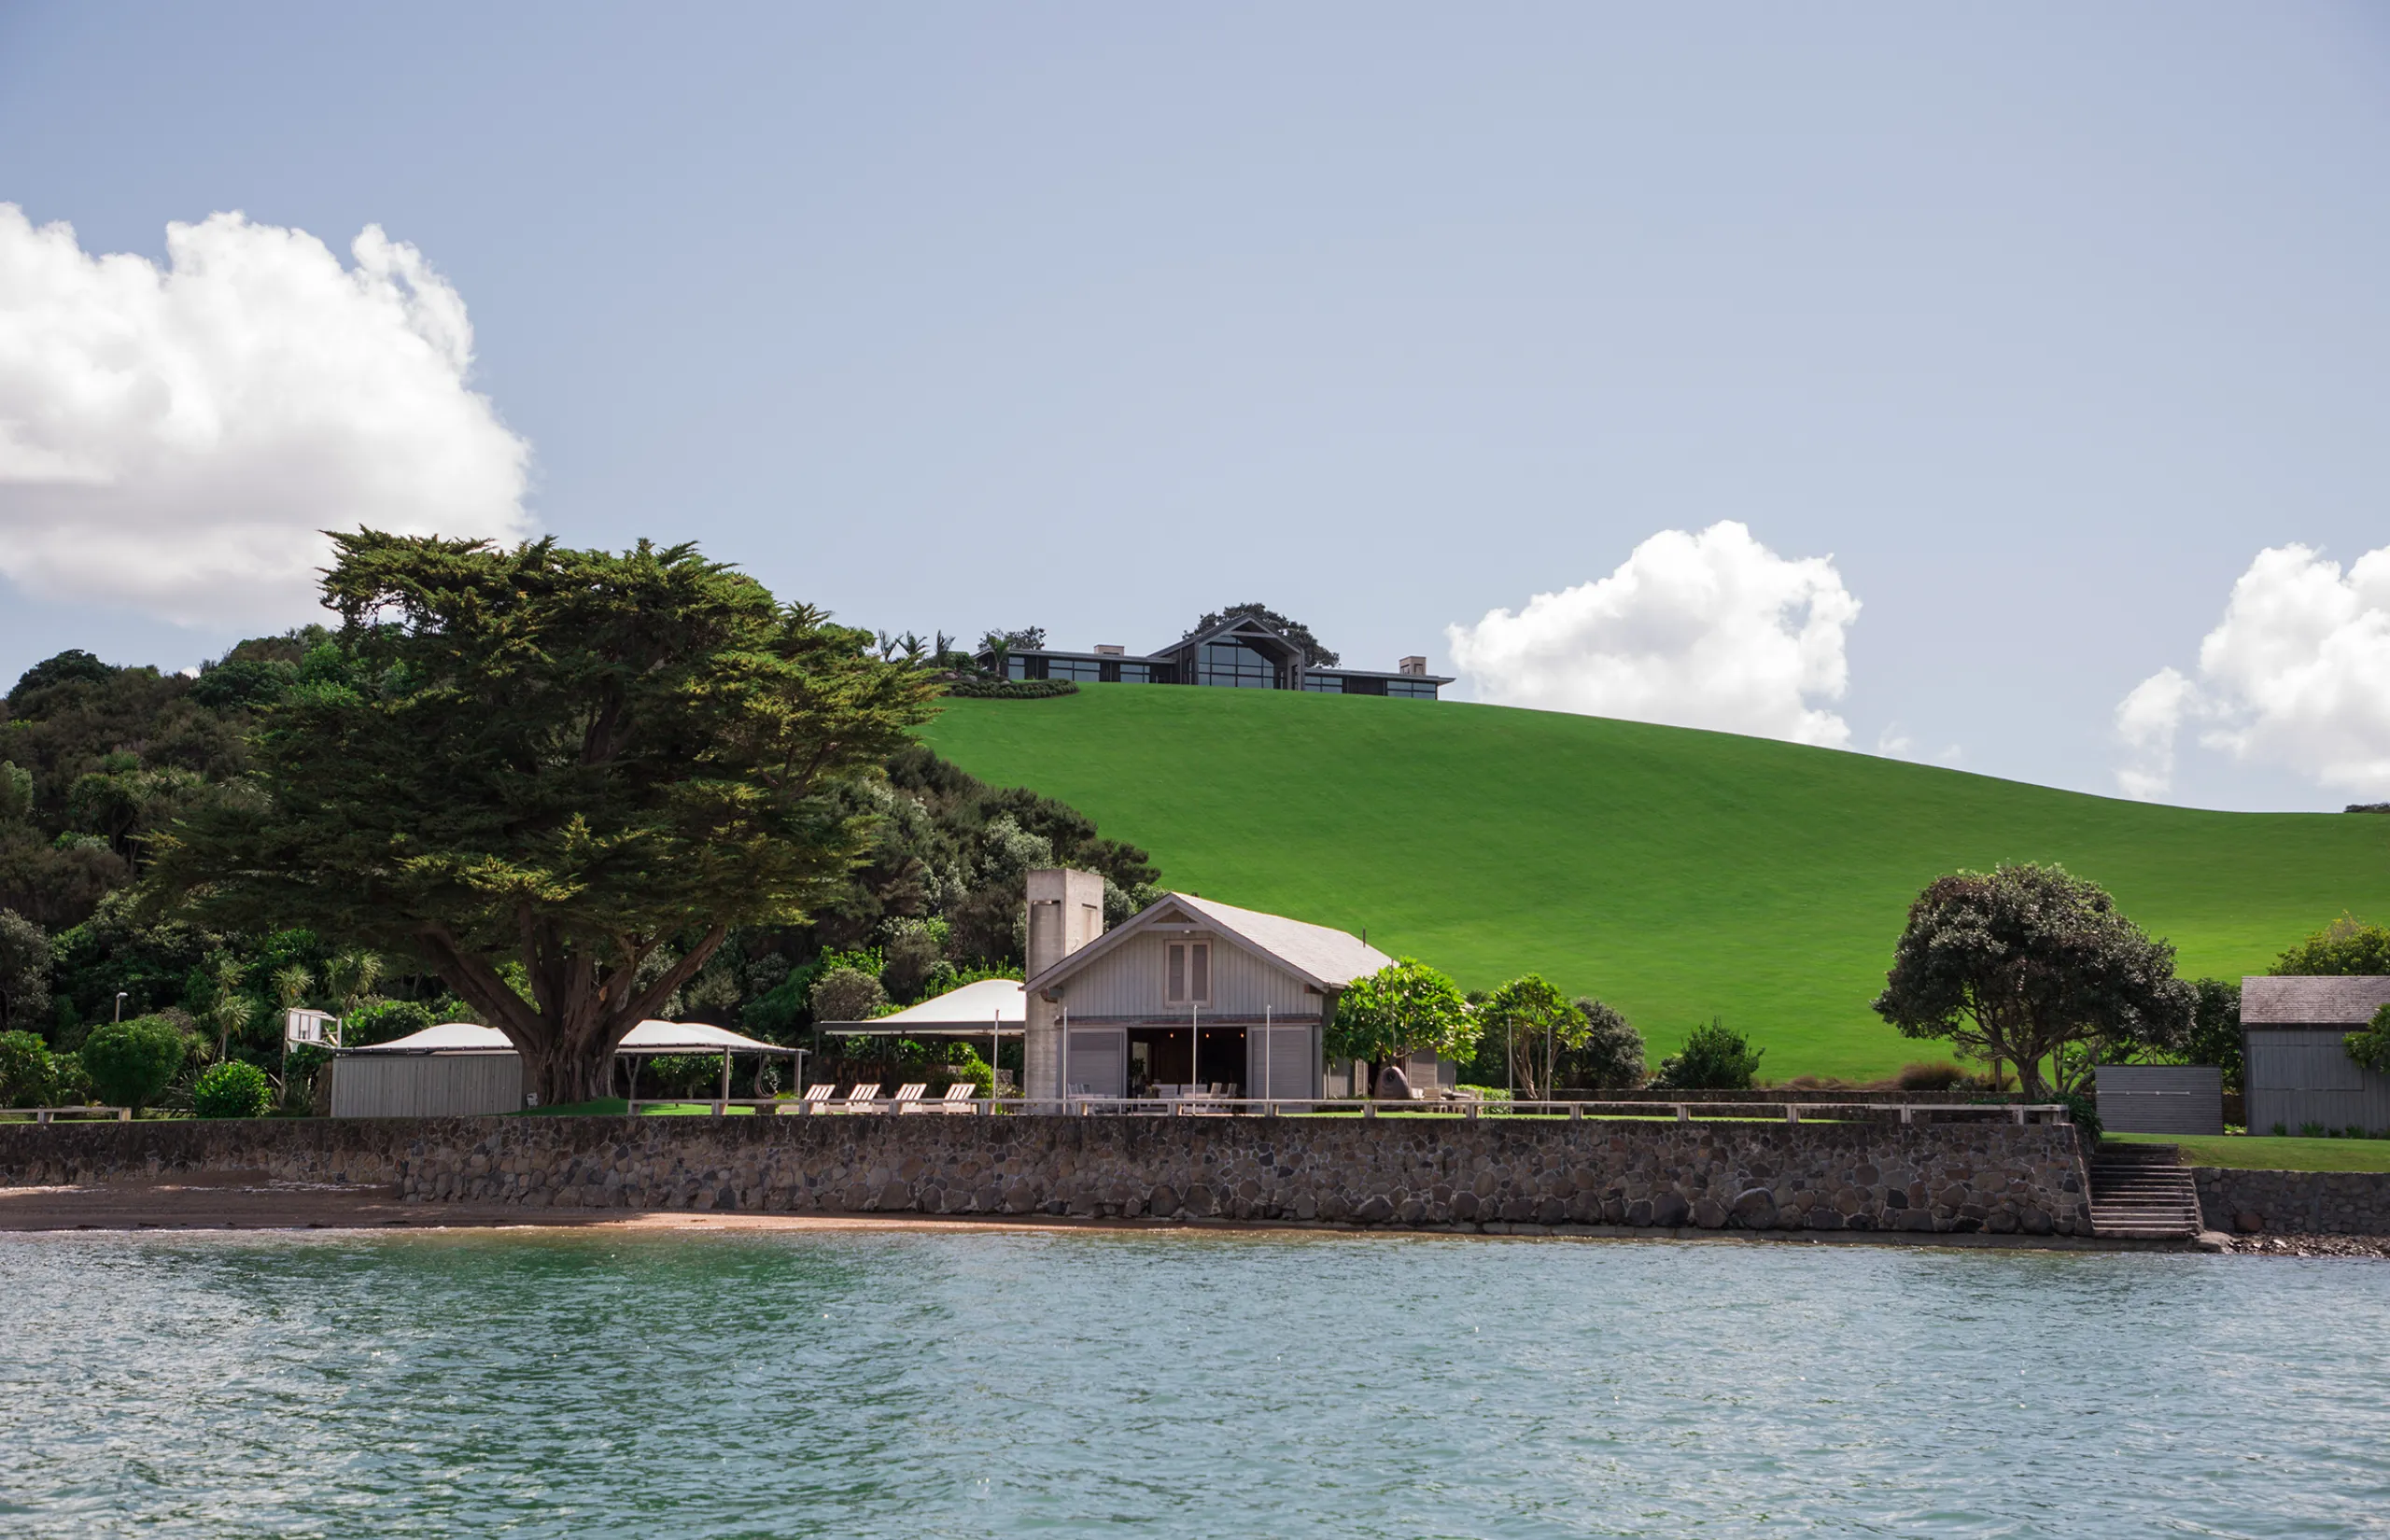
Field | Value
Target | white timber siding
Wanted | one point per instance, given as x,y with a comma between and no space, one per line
2299,1075
426,1085
2162,1098
1129,985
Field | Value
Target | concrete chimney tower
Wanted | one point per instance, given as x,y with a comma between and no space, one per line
1065,913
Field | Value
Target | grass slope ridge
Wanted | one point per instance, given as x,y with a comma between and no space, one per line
1678,874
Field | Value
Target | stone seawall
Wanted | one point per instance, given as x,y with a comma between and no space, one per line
2294,1202
1996,1177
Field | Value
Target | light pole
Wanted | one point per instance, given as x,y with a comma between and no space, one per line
120,1004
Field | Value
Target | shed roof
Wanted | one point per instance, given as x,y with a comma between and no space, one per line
2313,1000
1320,956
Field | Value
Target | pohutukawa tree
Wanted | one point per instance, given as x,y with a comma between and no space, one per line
2028,964
544,771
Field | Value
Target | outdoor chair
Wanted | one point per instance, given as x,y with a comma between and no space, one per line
958,1098
860,1097
908,1097
816,1098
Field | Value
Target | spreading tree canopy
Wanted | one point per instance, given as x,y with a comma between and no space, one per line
544,771
2025,964
1537,1024
1404,1008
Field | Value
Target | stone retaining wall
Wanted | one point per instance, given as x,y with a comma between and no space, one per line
2294,1202
1955,1177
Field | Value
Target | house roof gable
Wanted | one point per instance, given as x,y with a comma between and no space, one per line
2347,999
1321,956
1227,625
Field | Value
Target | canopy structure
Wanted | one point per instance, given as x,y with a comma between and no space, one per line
648,1037
993,1007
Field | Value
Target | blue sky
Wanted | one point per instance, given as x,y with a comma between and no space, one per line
2040,324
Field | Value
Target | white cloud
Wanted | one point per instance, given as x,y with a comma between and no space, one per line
1895,743
2146,721
1707,630
2296,675
172,439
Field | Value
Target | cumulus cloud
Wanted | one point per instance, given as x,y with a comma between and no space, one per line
1706,630
2296,675
174,438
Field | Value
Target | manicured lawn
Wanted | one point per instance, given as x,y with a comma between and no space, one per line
614,1106
1678,874
2264,1153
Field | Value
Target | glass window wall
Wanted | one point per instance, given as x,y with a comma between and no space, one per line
1234,665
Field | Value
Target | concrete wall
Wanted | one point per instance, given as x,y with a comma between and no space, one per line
2294,1202
1995,1177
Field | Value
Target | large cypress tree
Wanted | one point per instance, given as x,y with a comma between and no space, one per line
540,770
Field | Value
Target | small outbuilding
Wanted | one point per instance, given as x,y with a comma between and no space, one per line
2297,1068
459,1068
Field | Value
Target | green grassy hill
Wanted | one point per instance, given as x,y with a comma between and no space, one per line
1676,873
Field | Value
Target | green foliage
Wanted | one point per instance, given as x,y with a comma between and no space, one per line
68,667
25,973
1612,856
132,1062
1930,1075
1010,690
2347,945
1610,1056
152,961
1532,1023
27,1075
244,683
1715,1057
2371,1046
2028,963
16,793
2082,1109
2215,1029
1402,1009
231,1089
570,760
385,1021
848,994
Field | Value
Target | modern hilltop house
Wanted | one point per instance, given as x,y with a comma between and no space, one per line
1189,993
1240,652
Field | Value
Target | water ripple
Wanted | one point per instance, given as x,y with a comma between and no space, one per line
1178,1384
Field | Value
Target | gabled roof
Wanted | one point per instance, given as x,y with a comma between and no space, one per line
1322,957
2345,1000
1229,624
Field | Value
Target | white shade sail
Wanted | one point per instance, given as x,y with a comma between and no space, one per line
648,1037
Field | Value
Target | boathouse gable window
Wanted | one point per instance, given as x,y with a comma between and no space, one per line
1186,972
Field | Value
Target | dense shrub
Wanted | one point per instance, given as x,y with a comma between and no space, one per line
1928,1076
1715,1057
848,994
2083,1110
1611,1057
1011,689
26,1071
131,1062
232,1089
2371,1047
2347,945
384,1021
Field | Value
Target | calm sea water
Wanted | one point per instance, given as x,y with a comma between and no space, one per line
1177,1384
